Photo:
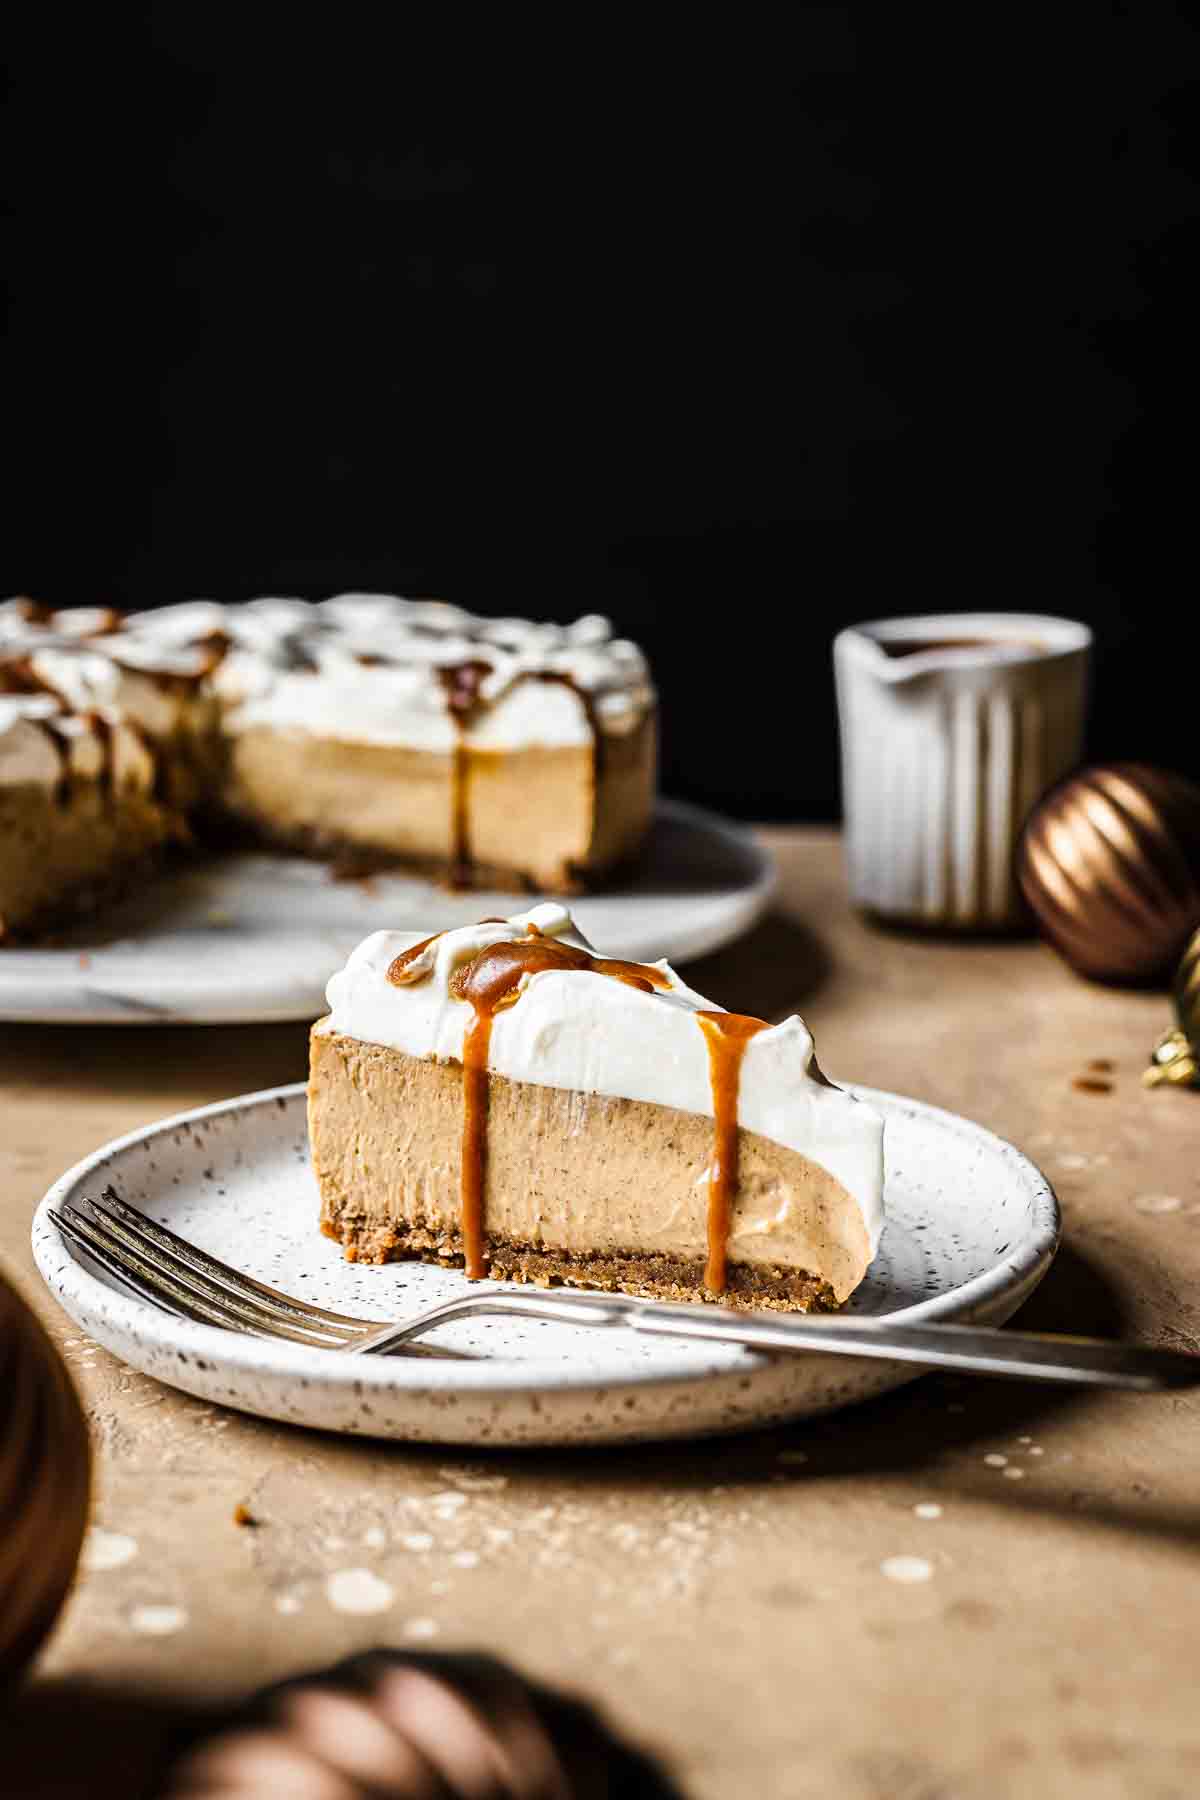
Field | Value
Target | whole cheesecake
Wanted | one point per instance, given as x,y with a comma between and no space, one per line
491,751
500,1096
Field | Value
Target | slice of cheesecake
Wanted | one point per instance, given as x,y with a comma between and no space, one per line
501,1097
80,810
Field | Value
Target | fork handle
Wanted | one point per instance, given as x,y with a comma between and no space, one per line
973,1349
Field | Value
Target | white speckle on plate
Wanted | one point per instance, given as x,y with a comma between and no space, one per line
995,1459
418,1541
1014,1474
1070,1159
465,1559
421,1628
1024,1440
1036,1450
1157,1203
157,1621
927,1509
906,1569
106,1550
358,1591
287,1603
448,1501
375,1537
499,1534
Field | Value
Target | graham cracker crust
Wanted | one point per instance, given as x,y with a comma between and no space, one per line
648,1277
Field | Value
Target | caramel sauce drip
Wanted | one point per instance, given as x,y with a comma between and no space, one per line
490,982
18,676
727,1035
110,621
588,702
34,612
160,785
215,646
62,749
461,683
102,730
400,970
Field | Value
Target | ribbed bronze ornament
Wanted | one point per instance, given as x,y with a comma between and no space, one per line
45,1468
1110,863
1176,1055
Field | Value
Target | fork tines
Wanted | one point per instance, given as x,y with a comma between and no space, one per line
179,1278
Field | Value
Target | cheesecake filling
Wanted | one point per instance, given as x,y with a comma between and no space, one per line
528,999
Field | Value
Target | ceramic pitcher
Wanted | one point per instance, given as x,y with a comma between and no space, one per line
952,727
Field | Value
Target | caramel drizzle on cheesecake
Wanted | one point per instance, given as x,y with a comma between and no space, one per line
490,982
727,1035
461,683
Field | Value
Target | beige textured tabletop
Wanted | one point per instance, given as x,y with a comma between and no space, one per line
734,1604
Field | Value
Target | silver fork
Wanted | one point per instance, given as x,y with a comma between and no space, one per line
187,1282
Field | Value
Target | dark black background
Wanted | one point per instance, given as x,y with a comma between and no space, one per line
733,336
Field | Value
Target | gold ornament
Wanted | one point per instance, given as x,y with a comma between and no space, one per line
1176,1056
45,1467
1109,862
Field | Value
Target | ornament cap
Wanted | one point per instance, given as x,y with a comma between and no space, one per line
1173,1062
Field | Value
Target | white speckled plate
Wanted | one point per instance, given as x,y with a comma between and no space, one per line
972,1226
248,938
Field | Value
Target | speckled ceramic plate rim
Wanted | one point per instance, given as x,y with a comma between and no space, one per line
992,1295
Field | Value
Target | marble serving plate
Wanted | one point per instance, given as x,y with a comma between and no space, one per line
972,1227
246,938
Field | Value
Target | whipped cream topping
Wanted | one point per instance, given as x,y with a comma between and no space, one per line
575,1029
370,668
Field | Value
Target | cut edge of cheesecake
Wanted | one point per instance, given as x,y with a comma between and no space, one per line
552,819
586,1189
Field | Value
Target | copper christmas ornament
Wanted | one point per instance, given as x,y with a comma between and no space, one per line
1176,1056
1109,862
45,1464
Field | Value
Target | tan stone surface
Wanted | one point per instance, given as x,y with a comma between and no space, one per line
728,1601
